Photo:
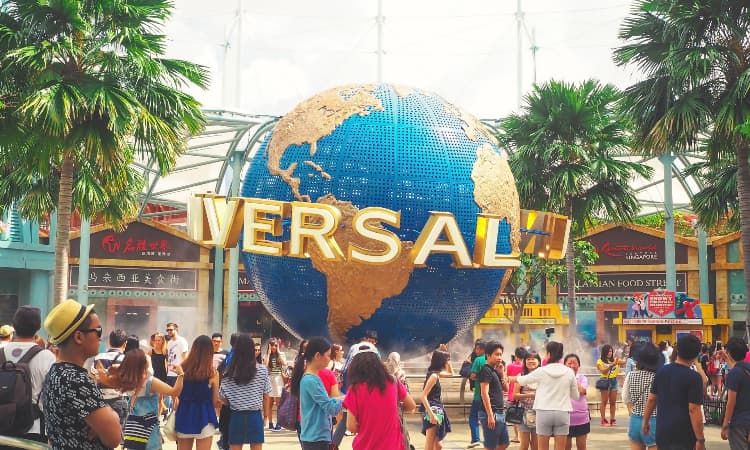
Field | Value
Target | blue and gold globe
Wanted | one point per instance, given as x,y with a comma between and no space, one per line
398,148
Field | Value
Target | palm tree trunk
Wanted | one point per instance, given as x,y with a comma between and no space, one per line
62,234
743,192
571,268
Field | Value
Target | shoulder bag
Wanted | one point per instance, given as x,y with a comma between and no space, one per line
286,416
515,413
465,370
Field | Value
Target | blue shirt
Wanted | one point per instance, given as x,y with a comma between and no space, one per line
738,380
316,410
676,386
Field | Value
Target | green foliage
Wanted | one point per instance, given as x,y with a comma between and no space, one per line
86,80
564,147
695,92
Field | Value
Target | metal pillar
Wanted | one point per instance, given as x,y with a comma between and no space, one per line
218,305
703,264
234,253
83,262
667,159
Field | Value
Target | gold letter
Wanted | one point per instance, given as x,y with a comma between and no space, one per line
437,224
314,222
222,220
367,223
486,242
258,225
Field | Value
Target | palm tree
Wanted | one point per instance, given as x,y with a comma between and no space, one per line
696,87
85,85
564,145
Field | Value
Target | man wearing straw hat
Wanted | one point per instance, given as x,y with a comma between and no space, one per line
76,415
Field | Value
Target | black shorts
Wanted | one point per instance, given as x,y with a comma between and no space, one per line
579,430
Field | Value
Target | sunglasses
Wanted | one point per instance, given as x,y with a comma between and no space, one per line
170,330
97,330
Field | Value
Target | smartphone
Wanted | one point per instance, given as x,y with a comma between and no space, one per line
718,345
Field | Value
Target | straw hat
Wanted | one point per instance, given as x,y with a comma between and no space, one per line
64,319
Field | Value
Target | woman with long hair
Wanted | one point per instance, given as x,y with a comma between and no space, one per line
276,367
580,420
316,406
525,396
195,419
556,386
337,363
132,376
244,388
158,357
435,423
372,402
609,368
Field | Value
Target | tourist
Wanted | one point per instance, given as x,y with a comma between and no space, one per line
435,422
219,353
393,365
580,418
276,368
158,357
131,343
635,394
132,376
316,406
75,413
258,352
177,348
196,411
609,367
736,425
27,320
337,363
715,365
677,392
491,392
372,402
113,357
478,360
6,335
525,396
556,387
515,368
243,389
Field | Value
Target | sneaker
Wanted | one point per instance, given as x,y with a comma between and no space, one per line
277,427
613,423
270,426
348,433
604,423
476,444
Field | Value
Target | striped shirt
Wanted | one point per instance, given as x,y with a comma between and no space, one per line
246,397
636,388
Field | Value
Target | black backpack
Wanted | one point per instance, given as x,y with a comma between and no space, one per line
17,408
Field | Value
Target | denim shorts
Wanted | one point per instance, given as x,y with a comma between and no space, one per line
612,385
498,436
635,434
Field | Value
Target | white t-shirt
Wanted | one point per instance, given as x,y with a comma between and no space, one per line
38,368
175,349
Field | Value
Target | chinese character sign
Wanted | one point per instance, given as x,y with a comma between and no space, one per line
137,278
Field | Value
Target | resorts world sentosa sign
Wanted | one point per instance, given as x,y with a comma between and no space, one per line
218,221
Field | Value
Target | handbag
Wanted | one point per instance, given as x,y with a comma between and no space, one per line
439,414
515,414
465,370
286,416
530,418
167,428
138,431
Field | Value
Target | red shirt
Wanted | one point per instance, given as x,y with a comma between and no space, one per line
377,415
514,369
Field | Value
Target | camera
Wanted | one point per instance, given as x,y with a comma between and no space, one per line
549,331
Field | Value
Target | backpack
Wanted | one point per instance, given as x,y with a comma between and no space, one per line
17,408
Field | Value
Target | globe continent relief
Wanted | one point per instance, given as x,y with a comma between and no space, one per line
393,147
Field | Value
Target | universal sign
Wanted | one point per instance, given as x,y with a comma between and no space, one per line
218,221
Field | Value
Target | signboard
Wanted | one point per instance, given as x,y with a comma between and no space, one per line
696,333
245,284
660,304
626,283
138,241
639,335
662,321
137,278
621,245
504,320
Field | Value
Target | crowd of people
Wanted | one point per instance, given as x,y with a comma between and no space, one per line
86,399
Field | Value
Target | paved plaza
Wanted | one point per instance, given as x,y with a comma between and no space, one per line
609,438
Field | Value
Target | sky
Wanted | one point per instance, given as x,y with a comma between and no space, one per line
289,50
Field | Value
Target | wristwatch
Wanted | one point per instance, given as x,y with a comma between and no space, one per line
701,440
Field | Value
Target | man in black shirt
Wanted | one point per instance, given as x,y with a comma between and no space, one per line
491,389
